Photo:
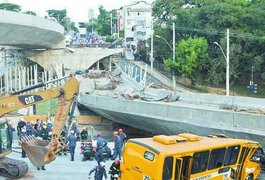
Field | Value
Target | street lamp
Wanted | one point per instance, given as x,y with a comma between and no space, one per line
173,52
165,41
227,61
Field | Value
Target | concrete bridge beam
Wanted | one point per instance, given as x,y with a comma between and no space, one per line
74,59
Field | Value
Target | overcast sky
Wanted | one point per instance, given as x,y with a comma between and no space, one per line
76,9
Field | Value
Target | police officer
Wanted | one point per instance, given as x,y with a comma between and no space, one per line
44,133
101,143
84,135
114,170
20,125
99,171
117,146
71,141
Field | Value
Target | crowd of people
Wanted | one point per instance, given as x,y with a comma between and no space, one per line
98,146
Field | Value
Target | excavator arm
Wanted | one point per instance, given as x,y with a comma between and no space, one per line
42,152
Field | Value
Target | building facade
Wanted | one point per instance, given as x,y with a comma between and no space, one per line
135,20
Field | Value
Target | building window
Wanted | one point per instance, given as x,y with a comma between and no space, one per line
128,14
138,14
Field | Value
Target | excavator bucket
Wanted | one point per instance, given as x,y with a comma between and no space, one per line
36,150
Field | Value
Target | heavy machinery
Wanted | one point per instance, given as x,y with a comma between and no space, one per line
39,152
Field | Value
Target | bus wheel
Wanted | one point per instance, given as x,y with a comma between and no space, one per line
249,177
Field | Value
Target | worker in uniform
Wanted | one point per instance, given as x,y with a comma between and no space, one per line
114,170
10,131
117,146
122,135
23,134
101,143
44,133
20,125
71,141
84,135
99,170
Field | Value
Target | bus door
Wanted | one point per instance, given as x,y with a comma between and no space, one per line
241,163
182,171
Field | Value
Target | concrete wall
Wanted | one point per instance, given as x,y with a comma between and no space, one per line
240,101
27,31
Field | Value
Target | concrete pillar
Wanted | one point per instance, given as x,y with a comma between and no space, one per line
141,74
1,85
11,80
28,80
97,65
31,76
6,81
110,61
16,85
24,71
19,78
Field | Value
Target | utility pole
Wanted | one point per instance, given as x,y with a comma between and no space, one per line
174,54
227,63
110,24
152,46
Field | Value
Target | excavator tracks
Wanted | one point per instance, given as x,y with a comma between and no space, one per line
12,168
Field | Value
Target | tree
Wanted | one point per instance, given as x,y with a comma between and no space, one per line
10,7
210,19
189,54
59,15
30,12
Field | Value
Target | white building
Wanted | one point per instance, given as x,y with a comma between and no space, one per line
91,15
135,20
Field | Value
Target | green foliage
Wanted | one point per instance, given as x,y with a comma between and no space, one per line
104,21
122,34
210,19
189,54
30,13
109,39
61,17
10,7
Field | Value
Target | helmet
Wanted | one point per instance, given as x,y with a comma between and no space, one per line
44,126
120,130
102,164
72,132
74,121
117,161
115,133
98,134
24,129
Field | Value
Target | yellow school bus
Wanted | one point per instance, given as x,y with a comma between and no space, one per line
188,156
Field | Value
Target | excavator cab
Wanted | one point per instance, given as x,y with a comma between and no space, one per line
39,152
10,168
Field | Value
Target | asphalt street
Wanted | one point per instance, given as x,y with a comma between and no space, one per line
61,168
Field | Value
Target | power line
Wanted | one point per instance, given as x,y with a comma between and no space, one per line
218,33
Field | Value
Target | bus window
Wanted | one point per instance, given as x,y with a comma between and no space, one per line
178,169
167,170
182,168
216,158
231,155
200,160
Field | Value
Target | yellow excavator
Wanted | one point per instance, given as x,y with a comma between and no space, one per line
40,152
